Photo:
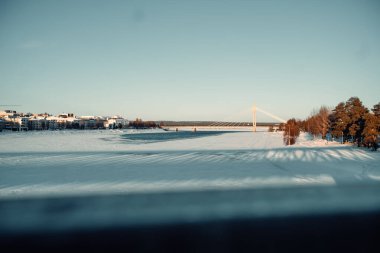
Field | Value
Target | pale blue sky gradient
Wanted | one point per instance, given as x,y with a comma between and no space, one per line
188,60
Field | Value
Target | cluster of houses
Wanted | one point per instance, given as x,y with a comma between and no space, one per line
12,120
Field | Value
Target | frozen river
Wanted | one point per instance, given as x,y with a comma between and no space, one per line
130,161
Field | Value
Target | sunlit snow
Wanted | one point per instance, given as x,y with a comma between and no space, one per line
107,161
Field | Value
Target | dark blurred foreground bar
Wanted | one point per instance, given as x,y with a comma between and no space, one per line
307,219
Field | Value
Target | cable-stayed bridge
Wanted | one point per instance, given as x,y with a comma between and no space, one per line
232,123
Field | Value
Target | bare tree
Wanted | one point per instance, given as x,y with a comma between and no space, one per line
291,131
318,123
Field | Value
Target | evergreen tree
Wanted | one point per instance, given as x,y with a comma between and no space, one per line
356,112
337,119
348,120
371,130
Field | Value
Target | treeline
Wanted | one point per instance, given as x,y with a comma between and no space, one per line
140,124
349,121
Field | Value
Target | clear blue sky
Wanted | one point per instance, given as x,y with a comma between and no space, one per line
188,60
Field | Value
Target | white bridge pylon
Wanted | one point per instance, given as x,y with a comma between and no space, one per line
255,109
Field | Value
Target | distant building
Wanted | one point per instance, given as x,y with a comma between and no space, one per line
3,114
12,121
10,112
27,121
62,121
52,123
24,122
37,123
92,122
116,122
87,122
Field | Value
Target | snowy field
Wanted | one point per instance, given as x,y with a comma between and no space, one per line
56,163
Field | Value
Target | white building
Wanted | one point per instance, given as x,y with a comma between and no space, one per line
116,122
52,123
24,123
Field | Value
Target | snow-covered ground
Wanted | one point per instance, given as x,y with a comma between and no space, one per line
110,161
